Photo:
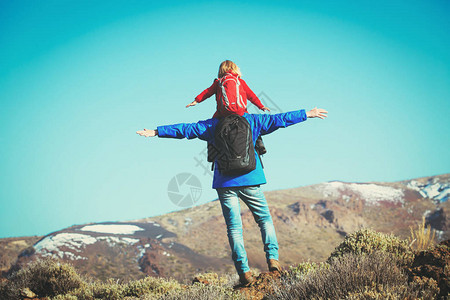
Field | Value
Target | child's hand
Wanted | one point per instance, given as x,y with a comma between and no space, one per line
317,113
192,103
147,132
265,109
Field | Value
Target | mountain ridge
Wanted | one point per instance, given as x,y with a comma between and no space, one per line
310,221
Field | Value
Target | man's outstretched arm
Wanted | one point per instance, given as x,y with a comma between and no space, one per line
199,130
270,123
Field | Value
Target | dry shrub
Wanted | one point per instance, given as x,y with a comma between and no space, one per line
50,278
422,238
65,297
200,291
210,278
146,288
368,241
224,280
59,281
207,286
150,285
351,275
381,292
46,278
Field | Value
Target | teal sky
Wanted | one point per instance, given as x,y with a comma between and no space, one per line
78,78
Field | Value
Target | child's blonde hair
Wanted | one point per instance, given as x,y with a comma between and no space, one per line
227,66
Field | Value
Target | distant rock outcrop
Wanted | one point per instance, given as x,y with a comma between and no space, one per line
437,219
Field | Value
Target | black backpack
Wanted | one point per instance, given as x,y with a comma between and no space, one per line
233,149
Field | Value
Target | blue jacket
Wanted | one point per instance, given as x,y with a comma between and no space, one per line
261,124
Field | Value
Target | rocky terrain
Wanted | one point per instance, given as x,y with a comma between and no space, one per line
10,249
310,222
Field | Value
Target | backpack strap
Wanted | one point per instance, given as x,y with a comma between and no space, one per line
224,93
238,96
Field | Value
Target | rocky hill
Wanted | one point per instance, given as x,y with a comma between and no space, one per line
310,221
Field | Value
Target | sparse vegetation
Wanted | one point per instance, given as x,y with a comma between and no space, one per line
369,241
150,285
60,281
213,279
204,292
366,265
351,276
422,237
147,288
46,278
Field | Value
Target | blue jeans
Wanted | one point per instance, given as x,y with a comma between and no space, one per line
254,198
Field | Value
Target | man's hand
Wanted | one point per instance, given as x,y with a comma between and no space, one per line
317,113
147,132
265,109
192,103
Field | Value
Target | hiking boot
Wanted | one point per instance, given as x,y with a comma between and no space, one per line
274,265
246,278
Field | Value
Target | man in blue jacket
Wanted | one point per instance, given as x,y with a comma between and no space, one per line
246,186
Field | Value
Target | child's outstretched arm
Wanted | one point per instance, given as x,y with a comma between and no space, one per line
205,94
252,97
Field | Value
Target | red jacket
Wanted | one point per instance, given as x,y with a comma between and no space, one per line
244,91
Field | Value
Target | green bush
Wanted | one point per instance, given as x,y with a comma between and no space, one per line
109,290
305,268
368,241
46,278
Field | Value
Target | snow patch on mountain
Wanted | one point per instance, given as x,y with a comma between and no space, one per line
112,228
142,249
67,245
51,245
112,240
433,189
371,193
